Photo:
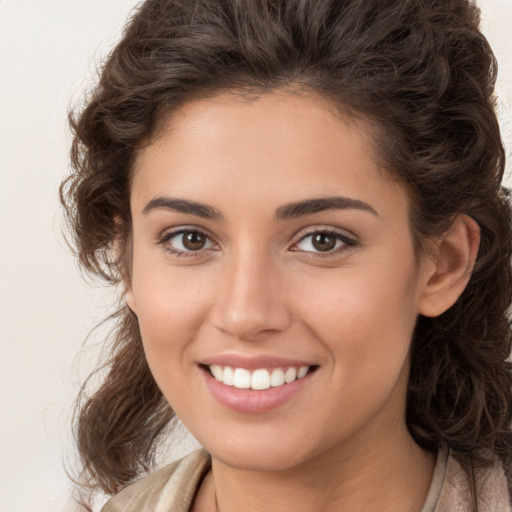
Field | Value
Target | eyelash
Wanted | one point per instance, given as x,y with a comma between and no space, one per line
346,240
168,236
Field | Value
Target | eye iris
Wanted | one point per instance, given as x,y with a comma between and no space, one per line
194,241
323,242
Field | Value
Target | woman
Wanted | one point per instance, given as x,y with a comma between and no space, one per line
301,203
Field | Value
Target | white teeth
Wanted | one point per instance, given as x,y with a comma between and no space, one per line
302,372
259,379
277,378
228,376
290,375
217,372
242,378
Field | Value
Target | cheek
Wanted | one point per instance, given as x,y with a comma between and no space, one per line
366,328
170,307
365,316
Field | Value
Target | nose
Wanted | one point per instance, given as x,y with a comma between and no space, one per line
250,303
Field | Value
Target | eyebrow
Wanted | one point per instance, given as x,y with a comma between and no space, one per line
183,206
320,204
285,212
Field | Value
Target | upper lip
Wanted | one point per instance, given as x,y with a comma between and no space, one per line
254,362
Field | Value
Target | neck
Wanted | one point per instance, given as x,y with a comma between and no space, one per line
391,476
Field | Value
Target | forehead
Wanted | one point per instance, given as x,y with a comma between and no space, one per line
278,146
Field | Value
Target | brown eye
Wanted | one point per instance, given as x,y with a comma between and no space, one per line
186,241
193,240
323,242
329,242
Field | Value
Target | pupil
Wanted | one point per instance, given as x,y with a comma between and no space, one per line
324,242
194,241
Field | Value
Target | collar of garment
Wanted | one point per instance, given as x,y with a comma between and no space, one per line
173,488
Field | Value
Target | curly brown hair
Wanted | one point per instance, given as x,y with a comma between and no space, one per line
423,74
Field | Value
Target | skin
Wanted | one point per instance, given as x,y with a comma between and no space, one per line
259,286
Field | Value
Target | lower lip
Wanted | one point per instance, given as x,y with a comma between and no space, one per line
254,401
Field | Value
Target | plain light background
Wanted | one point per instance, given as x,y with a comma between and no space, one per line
48,53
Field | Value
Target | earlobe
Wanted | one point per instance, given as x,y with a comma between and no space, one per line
122,253
449,270
129,299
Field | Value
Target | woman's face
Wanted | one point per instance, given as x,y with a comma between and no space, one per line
266,240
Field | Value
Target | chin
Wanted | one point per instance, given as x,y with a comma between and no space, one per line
258,460
259,452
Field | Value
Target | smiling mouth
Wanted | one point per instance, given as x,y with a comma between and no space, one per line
259,379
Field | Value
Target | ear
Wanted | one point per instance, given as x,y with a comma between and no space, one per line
129,299
122,250
448,271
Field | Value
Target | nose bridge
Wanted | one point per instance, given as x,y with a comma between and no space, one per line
251,296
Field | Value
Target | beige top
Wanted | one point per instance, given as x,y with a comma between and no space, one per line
173,488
